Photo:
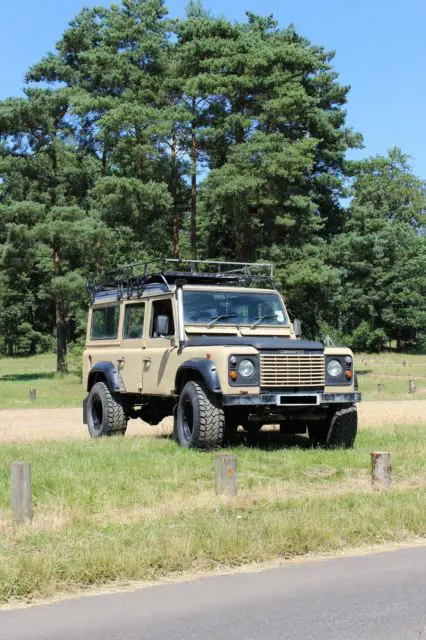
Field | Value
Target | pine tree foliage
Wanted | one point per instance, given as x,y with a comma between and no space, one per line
142,135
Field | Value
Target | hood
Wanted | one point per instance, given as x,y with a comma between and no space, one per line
258,342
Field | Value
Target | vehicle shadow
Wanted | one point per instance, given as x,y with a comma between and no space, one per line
27,377
268,440
263,440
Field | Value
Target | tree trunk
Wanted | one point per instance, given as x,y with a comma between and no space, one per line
61,332
174,186
193,184
61,340
104,166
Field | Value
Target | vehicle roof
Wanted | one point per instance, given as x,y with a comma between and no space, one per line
156,290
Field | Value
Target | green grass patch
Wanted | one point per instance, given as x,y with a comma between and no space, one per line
142,508
19,375
393,371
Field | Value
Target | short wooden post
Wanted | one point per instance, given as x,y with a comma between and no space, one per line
33,395
381,469
412,386
226,474
21,492
381,387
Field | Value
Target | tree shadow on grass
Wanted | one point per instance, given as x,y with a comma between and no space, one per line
28,377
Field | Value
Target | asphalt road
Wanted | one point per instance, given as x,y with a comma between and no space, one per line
375,597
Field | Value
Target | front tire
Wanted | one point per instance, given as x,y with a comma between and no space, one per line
199,421
338,431
105,416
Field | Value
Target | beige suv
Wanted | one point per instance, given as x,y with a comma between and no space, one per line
210,343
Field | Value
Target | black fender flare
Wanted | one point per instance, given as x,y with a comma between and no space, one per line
109,371
201,366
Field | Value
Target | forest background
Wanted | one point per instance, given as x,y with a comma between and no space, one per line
142,136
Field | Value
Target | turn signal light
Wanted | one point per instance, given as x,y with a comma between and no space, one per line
233,375
348,375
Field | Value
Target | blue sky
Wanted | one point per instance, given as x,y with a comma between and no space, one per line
380,51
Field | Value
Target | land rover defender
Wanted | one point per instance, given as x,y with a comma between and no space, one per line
211,344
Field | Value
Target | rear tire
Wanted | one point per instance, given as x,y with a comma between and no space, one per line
105,415
199,421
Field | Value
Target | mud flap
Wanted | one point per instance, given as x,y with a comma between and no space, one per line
85,409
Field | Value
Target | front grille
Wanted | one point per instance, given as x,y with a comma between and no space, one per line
287,370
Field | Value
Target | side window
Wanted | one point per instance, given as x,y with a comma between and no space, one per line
105,323
162,319
133,321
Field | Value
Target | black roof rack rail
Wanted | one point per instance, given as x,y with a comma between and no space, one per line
132,279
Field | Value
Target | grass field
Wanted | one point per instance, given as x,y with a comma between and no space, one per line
18,375
389,370
141,508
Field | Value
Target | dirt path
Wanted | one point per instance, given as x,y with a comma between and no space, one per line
60,424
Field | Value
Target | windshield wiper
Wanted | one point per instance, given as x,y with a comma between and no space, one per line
223,317
260,318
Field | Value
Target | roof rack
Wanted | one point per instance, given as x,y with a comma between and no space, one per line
131,280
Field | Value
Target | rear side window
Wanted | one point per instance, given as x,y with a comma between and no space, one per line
133,321
105,323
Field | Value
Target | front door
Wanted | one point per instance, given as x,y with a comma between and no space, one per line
130,360
161,350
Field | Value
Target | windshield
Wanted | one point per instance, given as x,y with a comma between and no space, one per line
233,308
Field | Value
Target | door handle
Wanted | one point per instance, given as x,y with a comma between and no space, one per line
146,359
121,359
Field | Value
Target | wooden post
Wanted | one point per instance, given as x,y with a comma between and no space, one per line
381,469
33,395
21,491
226,474
381,387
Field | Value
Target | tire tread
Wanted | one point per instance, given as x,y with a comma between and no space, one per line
343,428
114,417
209,433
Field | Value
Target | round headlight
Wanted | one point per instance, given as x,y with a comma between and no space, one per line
246,368
334,368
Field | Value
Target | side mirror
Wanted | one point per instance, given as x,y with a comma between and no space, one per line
297,327
162,325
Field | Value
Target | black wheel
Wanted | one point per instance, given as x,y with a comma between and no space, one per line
338,431
343,428
105,415
199,421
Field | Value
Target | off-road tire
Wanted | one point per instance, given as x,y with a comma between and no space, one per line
199,421
339,430
343,428
105,414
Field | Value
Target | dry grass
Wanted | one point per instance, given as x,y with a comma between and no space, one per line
142,508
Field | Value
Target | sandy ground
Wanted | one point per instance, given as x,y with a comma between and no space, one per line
60,424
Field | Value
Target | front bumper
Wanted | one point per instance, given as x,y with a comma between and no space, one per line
284,399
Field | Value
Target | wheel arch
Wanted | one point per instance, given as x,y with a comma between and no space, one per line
198,370
104,371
